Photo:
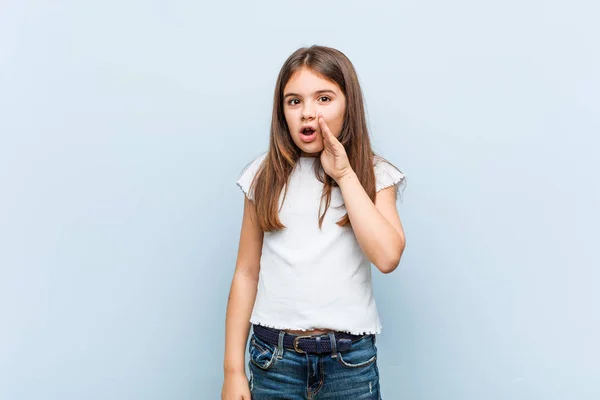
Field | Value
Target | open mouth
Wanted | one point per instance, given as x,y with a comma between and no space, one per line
308,135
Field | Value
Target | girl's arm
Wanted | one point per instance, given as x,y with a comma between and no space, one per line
377,226
243,292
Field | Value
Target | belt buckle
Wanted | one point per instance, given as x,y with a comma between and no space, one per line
296,343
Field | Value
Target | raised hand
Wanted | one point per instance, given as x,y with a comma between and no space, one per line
333,157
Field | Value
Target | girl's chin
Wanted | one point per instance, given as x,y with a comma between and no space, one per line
315,147
311,150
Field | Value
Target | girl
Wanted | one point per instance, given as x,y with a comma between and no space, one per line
319,209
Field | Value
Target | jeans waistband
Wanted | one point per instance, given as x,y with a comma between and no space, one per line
317,343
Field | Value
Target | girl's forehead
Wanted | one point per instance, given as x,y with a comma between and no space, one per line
306,80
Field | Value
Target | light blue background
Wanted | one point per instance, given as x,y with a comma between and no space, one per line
124,125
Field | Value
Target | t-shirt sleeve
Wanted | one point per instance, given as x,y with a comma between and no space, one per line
387,175
247,176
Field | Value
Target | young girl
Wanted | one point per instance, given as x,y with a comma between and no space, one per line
319,209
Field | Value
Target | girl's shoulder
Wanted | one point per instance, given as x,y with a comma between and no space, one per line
255,164
386,174
247,175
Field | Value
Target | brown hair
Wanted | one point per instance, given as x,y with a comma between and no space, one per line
283,154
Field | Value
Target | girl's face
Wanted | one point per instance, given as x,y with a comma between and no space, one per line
306,95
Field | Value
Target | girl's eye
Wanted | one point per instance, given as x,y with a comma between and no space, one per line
324,97
292,102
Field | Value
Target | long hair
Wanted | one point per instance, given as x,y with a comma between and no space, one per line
283,154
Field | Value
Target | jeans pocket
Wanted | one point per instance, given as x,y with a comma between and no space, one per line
261,354
361,354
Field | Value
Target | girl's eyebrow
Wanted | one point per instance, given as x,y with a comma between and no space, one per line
312,94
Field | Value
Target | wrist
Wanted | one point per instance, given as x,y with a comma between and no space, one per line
229,370
348,176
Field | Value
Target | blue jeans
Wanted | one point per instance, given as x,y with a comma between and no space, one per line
278,373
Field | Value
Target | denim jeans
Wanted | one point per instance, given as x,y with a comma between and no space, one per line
278,373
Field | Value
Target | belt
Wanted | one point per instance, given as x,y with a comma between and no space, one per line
306,344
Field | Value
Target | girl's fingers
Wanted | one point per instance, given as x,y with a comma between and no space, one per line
325,132
323,124
328,137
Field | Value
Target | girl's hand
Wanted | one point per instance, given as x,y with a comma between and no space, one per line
235,387
333,157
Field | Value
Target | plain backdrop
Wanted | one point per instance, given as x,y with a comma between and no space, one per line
125,124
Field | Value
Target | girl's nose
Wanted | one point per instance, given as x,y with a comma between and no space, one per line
308,112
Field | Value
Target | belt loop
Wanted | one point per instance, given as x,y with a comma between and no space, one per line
318,343
280,345
333,346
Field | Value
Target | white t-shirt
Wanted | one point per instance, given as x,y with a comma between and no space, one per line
313,278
